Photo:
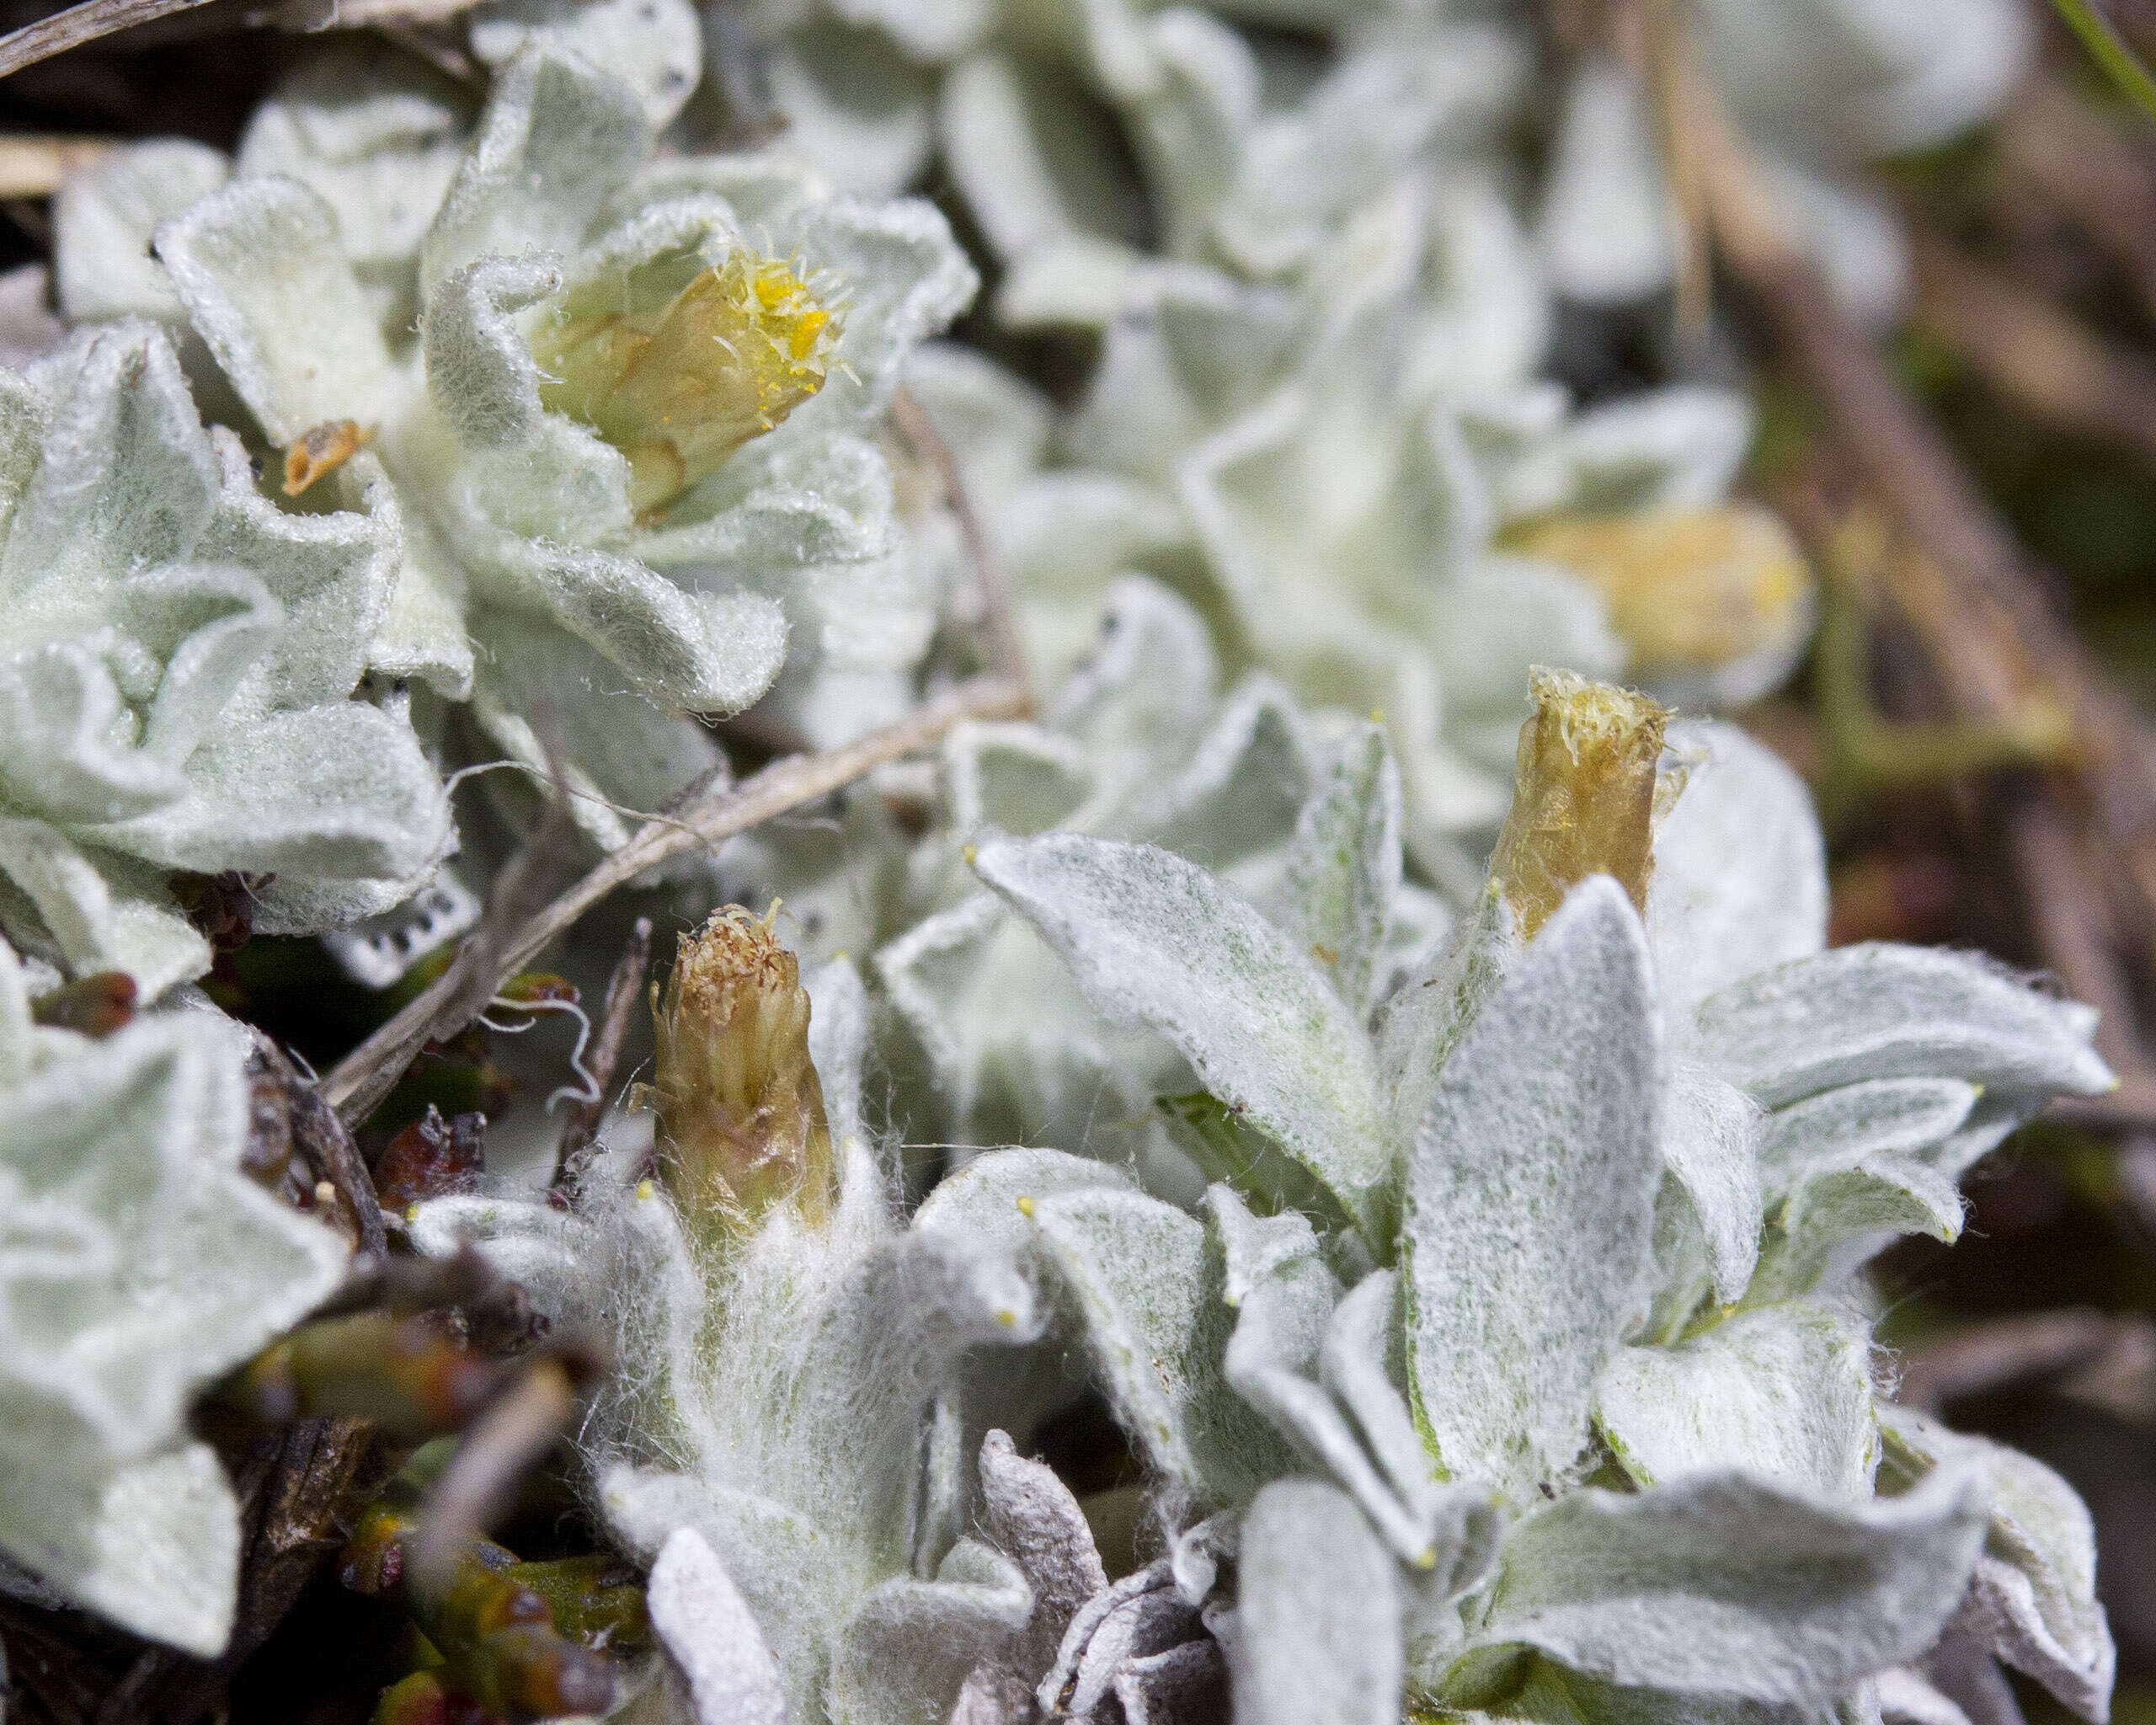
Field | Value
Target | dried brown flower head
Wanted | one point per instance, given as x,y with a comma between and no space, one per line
1583,796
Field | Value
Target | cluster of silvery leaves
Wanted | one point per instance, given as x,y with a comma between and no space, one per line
1517,1362
976,1027
1322,302
178,674
198,679
1316,405
377,255
138,1262
1250,146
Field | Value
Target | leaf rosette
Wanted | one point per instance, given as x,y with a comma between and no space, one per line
626,405
177,673
138,1263
1541,1260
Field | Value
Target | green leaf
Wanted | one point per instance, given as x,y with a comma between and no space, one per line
259,269
1343,867
1150,1291
2033,1601
138,1263
1154,939
1530,1199
1318,1615
1784,1393
1724,1585
558,139
1878,1011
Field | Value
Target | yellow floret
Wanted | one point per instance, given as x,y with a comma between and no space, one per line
679,387
1689,590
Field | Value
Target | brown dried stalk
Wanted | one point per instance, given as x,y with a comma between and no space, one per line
2076,163
364,1076
2010,1353
326,1142
2044,359
2003,613
78,25
1661,47
33,166
1986,624
997,613
2131,1107
512,1433
624,988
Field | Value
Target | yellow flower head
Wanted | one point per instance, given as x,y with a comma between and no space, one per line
1689,590
678,380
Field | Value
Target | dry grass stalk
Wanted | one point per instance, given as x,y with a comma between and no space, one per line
364,1076
2042,359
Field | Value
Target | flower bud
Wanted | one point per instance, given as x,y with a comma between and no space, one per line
741,1122
1691,591
1583,796
679,384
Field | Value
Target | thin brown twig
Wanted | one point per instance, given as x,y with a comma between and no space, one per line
516,1431
1661,47
2008,1353
623,989
475,977
326,1142
78,25
2132,1107
998,614
2076,163
1908,461
375,14
33,165
426,40
2041,358
1984,619
365,1076
2069,919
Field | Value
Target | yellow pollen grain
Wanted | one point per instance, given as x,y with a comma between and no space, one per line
1026,1207
807,330
645,1191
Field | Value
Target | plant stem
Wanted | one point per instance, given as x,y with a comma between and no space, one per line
2109,49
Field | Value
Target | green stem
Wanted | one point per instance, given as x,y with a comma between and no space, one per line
1867,753
2110,51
